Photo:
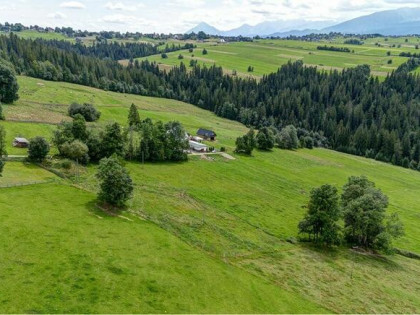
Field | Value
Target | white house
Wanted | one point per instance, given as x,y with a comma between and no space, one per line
197,139
198,147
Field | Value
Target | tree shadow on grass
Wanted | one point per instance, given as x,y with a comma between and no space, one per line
101,210
244,155
359,256
155,163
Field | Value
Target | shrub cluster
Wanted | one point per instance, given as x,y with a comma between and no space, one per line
88,111
362,207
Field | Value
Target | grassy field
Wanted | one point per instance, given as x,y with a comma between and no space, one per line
207,225
268,55
46,103
24,174
72,258
32,34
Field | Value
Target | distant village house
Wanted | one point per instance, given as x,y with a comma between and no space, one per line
206,134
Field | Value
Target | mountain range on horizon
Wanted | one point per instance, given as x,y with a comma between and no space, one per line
404,21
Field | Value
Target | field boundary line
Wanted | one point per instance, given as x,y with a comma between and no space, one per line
32,122
27,183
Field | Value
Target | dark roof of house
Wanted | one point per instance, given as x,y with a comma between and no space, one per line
206,133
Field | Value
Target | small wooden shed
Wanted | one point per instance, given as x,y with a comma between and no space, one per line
20,142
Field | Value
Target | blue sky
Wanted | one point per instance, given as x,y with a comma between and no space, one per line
181,15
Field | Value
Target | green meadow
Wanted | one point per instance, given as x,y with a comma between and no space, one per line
208,235
267,55
32,34
59,254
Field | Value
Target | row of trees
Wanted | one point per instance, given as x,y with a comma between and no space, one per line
353,41
148,141
361,209
142,141
354,111
106,49
409,54
333,48
288,138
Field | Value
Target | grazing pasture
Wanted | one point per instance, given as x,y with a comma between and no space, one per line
207,235
61,254
267,55
32,34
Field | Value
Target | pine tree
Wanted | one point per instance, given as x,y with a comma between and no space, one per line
112,141
134,117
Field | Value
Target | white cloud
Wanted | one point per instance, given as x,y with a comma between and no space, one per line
180,15
72,5
188,4
57,15
119,6
129,23
118,19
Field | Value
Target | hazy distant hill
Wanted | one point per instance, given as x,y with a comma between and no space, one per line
206,28
264,28
268,28
403,21
393,22
295,33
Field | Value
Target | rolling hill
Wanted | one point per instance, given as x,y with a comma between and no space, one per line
267,55
208,235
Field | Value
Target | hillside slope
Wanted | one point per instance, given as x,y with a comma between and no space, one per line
73,258
266,56
240,212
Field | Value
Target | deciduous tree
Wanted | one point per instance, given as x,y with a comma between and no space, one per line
38,149
8,83
116,186
265,139
246,143
365,221
287,138
321,220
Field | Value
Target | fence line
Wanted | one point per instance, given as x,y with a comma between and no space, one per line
27,183
32,122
